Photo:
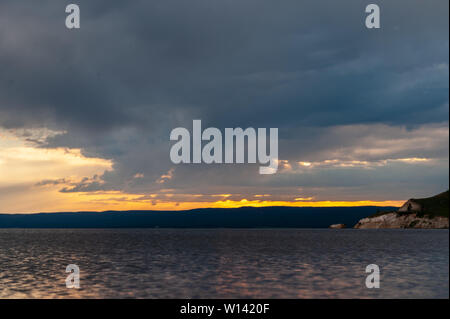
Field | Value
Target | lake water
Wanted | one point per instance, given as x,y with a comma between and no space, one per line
223,263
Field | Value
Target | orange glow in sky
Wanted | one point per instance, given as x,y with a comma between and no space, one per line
24,167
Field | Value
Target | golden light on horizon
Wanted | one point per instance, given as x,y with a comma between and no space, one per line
256,203
304,198
306,164
21,162
31,179
23,166
49,199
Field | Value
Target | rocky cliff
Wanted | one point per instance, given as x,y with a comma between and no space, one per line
429,212
394,220
337,226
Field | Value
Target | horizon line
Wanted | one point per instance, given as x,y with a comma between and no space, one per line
372,204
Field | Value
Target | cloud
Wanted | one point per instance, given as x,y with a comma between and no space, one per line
366,142
166,177
114,89
31,177
52,182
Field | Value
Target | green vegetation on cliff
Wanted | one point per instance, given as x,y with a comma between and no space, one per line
434,206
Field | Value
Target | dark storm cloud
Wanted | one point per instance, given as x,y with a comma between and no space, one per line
209,58
135,70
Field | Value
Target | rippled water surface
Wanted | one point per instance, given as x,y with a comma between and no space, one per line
223,263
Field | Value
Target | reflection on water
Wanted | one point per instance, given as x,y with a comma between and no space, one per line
223,263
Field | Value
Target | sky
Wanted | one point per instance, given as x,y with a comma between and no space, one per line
86,114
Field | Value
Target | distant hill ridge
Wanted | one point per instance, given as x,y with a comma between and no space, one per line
245,217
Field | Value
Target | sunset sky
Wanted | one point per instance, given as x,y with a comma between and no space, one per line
85,115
